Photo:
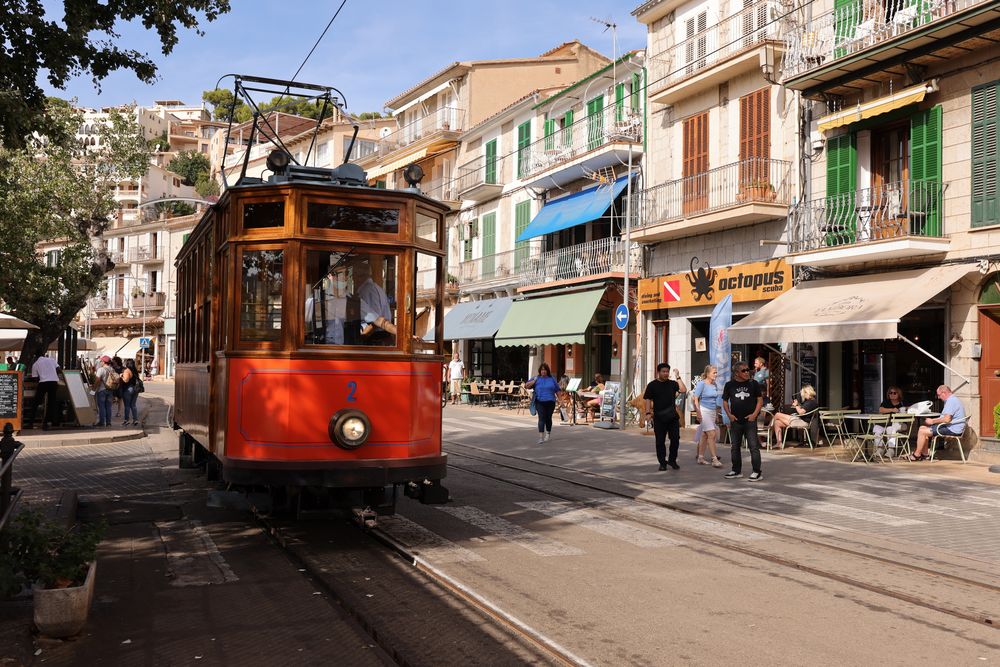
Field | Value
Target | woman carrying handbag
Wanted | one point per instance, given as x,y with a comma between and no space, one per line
544,400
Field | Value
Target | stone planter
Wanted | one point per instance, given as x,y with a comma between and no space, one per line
62,612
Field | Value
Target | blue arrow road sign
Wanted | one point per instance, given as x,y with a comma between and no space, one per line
621,316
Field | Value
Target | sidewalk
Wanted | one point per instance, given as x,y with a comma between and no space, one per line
177,582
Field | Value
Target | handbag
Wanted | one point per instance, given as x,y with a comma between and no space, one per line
139,386
532,408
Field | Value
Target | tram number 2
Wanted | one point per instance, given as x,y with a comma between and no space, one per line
352,387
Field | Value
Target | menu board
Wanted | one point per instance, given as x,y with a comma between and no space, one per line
11,398
80,397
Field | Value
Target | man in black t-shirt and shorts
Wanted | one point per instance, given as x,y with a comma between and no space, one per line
742,400
660,395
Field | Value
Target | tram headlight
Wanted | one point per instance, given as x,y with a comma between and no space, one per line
349,429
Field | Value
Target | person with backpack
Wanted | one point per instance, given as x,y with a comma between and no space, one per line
105,382
130,392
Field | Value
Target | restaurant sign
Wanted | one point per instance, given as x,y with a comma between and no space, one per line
707,285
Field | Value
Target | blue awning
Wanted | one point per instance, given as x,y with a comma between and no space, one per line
475,319
576,209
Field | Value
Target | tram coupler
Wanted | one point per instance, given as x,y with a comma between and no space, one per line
427,492
366,518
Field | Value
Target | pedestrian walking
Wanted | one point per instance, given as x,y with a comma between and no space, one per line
456,371
130,392
660,395
47,371
545,387
102,378
742,400
706,404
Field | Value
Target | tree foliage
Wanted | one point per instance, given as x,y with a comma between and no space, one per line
190,165
84,42
56,192
223,102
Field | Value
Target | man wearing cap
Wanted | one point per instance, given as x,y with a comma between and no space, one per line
103,393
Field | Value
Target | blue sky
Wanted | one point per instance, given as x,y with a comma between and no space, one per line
374,50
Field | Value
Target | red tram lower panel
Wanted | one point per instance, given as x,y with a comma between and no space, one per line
279,430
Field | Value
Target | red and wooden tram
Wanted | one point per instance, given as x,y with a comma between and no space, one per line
309,329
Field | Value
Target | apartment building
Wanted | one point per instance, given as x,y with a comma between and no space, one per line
719,174
894,235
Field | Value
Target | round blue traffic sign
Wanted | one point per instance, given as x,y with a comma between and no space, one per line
621,316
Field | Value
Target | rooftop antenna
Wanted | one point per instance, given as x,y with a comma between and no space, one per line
613,27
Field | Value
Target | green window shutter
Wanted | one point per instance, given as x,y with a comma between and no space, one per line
523,141
636,86
925,172
522,216
467,245
985,155
567,133
380,185
491,162
619,102
550,134
489,244
184,239
595,122
841,186
845,22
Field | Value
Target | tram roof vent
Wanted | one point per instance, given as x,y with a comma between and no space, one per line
349,174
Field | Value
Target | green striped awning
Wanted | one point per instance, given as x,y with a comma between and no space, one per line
549,320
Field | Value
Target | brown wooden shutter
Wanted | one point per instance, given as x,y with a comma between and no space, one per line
755,135
695,163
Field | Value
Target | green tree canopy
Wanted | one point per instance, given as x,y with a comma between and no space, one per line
85,41
190,165
222,101
56,192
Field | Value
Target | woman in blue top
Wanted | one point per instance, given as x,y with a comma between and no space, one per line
545,387
707,399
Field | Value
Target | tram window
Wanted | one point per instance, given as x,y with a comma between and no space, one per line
261,215
350,298
260,308
425,317
352,218
427,227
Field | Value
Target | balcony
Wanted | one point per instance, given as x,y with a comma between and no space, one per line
581,261
105,305
429,134
887,222
479,180
740,193
591,145
714,55
151,301
877,39
495,271
146,254
442,189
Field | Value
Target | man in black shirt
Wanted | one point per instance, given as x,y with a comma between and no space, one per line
742,400
660,395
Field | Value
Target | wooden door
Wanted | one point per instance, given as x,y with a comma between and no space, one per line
989,367
695,164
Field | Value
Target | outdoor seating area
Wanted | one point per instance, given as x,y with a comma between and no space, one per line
572,406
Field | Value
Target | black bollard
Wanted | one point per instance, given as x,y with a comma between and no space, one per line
8,445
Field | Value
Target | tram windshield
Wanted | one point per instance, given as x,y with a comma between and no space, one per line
350,298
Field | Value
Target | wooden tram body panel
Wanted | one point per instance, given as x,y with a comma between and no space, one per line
264,409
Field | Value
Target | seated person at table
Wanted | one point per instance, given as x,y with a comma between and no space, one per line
594,404
564,400
783,421
893,404
951,422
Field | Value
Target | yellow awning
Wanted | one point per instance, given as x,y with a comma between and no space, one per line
877,107
382,170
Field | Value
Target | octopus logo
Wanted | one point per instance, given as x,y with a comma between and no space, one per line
702,280
850,304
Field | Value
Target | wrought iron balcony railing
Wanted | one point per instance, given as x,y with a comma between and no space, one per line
890,211
149,301
442,189
855,26
497,267
715,44
146,253
580,261
116,302
613,124
479,172
445,119
750,181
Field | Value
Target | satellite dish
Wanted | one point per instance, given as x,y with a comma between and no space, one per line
385,132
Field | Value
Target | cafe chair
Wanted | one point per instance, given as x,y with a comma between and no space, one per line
866,442
901,437
831,426
946,439
807,417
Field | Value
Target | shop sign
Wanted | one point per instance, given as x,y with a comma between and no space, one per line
707,285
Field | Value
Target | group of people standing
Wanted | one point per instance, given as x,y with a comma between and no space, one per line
117,383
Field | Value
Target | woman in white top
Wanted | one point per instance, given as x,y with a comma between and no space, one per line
707,399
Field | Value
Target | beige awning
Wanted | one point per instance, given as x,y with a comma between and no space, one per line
877,107
382,170
865,307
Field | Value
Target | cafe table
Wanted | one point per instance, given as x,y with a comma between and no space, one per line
866,423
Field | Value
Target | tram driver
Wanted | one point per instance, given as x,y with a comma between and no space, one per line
377,327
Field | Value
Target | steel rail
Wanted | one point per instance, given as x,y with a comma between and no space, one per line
727,545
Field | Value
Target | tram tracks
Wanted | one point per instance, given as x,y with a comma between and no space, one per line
929,584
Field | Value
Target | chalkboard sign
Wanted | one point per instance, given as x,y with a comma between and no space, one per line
11,398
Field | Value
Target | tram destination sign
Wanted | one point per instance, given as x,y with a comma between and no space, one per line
705,284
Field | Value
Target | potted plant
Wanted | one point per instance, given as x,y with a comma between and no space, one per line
58,563
758,189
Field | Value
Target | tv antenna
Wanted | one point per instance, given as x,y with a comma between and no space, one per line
609,24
